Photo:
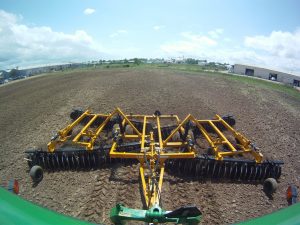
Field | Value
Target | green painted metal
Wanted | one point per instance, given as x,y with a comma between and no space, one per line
185,215
15,211
286,216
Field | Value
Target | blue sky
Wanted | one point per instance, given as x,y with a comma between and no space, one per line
259,32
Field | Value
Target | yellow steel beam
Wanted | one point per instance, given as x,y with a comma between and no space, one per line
234,153
85,128
99,129
64,132
244,142
207,137
205,121
176,144
222,136
159,132
131,136
144,185
128,121
139,156
176,129
143,134
161,176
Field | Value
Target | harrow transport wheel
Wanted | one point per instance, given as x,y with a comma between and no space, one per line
270,185
36,173
76,113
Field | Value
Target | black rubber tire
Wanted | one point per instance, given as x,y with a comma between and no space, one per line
229,119
76,113
36,173
270,185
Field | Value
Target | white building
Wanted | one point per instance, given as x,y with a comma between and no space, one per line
266,74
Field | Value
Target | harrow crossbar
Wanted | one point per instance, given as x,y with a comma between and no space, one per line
195,148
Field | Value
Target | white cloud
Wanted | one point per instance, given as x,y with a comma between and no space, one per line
215,33
227,39
89,11
118,32
121,52
122,31
278,43
280,50
191,43
22,45
158,27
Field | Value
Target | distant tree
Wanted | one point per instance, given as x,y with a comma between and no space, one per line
13,73
191,61
137,61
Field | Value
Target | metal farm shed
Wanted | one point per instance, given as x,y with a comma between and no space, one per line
266,74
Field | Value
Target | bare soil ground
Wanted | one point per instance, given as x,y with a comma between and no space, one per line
32,110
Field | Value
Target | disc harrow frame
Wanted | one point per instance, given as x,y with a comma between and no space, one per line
191,147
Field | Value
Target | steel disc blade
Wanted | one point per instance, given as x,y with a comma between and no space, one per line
226,171
43,161
72,162
53,162
64,161
49,161
198,169
68,162
83,160
233,171
221,170
258,172
277,171
94,161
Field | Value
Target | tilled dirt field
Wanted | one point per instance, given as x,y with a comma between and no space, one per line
32,110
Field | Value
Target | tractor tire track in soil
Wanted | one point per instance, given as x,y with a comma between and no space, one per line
117,184
33,109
